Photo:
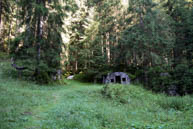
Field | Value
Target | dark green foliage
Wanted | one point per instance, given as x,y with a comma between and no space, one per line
183,79
43,78
113,91
147,38
86,76
3,56
82,77
40,45
181,12
116,91
156,81
159,79
8,71
78,48
7,8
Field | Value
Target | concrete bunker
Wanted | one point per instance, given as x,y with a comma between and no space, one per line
116,77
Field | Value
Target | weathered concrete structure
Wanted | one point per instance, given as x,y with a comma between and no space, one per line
116,77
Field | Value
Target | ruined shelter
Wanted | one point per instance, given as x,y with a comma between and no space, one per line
116,77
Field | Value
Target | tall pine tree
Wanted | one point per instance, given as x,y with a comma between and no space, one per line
148,38
38,47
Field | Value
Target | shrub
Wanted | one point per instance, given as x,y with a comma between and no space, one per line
162,79
158,82
43,78
116,91
86,76
3,56
139,74
183,78
131,76
180,77
113,90
8,71
67,74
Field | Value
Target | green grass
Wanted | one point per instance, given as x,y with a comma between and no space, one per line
24,105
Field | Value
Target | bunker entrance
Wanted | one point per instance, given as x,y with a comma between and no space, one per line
118,79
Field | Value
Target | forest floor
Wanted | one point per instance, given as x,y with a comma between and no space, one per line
25,105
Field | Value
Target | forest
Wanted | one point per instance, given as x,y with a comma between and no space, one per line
51,39
43,42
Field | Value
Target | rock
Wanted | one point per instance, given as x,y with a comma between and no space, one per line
172,90
164,74
70,77
57,76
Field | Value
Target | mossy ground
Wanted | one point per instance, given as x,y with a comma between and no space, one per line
25,105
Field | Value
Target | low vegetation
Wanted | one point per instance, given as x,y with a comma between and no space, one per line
87,106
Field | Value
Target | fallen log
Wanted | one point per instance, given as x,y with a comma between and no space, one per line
17,67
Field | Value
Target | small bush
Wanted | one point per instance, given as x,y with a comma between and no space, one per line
43,78
113,91
67,74
156,81
3,56
8,71
85,77
183,78
116,91
132,76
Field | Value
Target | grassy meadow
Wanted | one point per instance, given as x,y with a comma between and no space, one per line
75,105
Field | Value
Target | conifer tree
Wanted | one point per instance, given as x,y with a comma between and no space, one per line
107,16
5,18
38,47
182,14
77,46
148,38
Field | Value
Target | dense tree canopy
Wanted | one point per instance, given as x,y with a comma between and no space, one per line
99,36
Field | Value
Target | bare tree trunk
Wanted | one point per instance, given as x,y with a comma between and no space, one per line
76,65
0,16
17,20
108,48
2,45
102,46
10,26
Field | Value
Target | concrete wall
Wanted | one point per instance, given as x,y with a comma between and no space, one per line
117,77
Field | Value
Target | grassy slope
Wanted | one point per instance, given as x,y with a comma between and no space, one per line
76,105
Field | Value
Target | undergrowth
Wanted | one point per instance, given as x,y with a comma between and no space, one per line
124,94
75,105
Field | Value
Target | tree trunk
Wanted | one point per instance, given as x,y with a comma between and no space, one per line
9,37
1,27
0,15
17,29
76,65
39,35
102,46
108,48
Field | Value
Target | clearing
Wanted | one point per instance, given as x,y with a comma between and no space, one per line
25,105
